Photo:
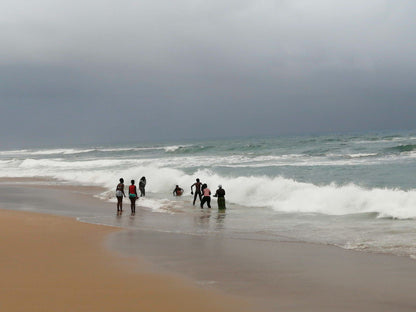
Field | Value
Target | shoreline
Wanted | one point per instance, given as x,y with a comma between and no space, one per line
279,276
51,263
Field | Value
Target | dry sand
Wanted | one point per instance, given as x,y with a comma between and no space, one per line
50,263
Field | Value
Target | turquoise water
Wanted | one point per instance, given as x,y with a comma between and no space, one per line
356,191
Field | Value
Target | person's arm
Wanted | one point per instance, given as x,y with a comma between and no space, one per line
192,187
122,190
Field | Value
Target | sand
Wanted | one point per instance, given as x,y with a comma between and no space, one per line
50,263
284,276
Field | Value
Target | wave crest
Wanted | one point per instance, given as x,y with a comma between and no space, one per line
404,148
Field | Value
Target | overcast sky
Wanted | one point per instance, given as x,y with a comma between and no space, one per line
105,71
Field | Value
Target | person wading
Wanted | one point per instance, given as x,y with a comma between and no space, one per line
220,194
133,197
120,194
207,196
197,185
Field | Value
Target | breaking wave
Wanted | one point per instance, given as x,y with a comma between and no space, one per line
277,193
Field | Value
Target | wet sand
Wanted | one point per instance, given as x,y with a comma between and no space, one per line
284,276
276,276
50,263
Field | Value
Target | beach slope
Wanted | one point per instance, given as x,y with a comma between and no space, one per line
50,263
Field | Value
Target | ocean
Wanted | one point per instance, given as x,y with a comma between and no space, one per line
354,191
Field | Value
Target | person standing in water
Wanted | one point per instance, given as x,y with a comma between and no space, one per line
207,196
142,184
177,191
133,197
220,193
119,195
197,185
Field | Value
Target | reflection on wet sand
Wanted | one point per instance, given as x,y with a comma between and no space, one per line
202,221
220,219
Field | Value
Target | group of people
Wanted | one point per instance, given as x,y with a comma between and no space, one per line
201,190
204,193
132,194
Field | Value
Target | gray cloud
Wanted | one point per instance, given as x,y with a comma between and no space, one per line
90,71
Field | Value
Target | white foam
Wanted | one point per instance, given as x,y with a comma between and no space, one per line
359,155
65,151
14,152
174,147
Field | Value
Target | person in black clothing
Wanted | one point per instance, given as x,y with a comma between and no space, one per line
197,185
142,184
220,193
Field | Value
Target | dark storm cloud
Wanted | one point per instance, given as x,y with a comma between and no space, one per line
93,71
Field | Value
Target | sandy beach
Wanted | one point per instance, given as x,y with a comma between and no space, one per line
51,263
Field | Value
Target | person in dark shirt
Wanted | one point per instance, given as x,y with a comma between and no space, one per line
177,191
197,185
220,193
142,184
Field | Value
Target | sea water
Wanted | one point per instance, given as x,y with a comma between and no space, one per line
355,191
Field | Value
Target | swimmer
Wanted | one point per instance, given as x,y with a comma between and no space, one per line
177,191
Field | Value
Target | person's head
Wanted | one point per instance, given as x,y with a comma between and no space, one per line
220,186
204,185
177,186
143,178
197,180
121,180
132,182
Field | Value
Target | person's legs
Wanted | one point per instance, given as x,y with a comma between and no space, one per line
203,202
209,201
195,195
221,203
119,203
133,204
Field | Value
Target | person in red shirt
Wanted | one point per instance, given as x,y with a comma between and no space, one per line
133,196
